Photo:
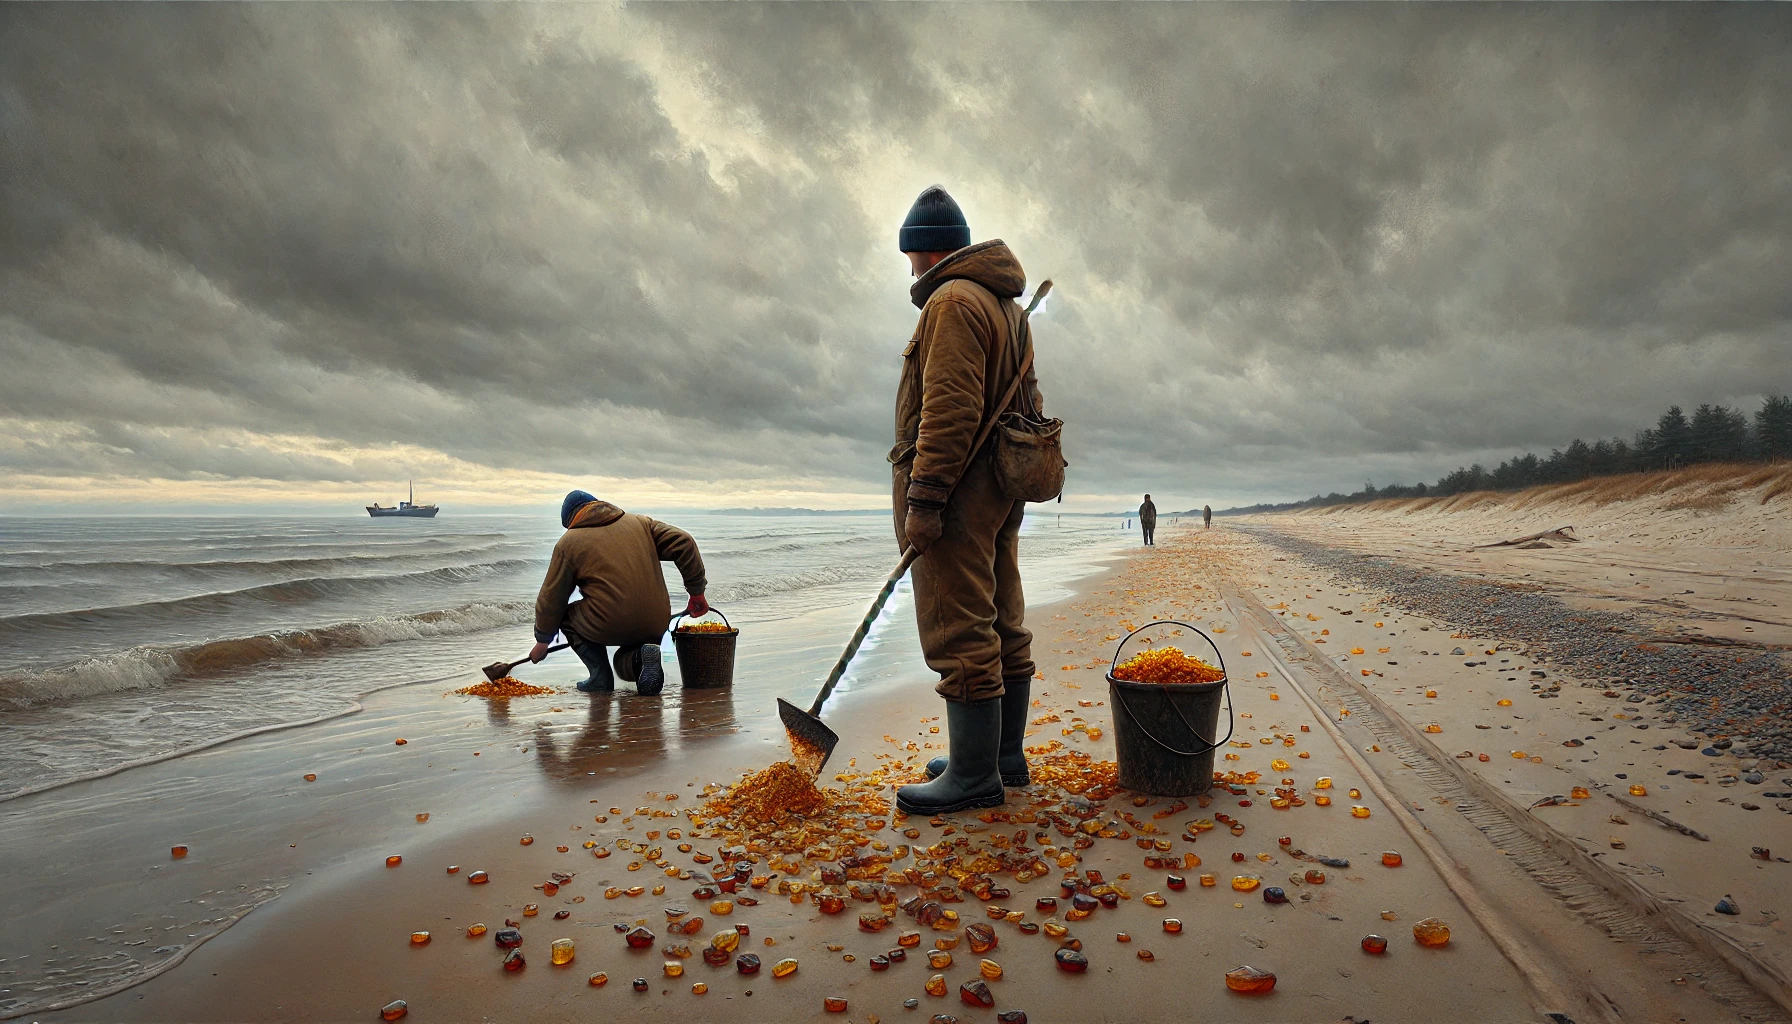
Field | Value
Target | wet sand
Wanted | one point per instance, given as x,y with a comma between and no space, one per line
335,945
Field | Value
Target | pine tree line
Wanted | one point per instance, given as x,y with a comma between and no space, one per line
1713,433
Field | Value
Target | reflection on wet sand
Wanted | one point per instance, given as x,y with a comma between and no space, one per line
622,730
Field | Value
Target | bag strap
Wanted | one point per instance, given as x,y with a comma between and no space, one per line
989,421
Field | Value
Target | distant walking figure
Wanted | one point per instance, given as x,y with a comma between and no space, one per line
1148,519
1206,517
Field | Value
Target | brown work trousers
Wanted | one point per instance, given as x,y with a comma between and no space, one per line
968,600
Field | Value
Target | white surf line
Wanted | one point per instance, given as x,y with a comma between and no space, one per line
1547,997
352,707
142,976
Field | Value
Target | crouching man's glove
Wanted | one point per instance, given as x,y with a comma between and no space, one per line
923,526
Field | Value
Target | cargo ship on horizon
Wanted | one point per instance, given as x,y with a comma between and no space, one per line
409,509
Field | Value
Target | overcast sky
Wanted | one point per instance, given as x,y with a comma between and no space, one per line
299,253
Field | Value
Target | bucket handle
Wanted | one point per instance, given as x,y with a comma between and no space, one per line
672,627
1231,722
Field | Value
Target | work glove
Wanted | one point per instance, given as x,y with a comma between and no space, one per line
924,527
697,606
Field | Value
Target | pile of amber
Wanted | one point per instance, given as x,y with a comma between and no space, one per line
705,627
509,686
1168,666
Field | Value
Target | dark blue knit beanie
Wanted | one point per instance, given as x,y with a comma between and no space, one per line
934,224
575,500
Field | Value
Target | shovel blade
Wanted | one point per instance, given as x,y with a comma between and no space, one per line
497,670
811,741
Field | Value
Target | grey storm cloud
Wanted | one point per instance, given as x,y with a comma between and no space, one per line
1293,247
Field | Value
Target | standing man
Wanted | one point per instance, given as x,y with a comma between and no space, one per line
948,506
1148,520
1206,517
613,558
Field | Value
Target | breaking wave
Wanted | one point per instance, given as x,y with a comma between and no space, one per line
154,665
797,581
284,593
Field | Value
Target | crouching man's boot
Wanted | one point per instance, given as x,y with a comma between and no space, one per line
644,667
1011,758
974,732
597,663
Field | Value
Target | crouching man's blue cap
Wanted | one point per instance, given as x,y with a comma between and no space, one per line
575,500
934,224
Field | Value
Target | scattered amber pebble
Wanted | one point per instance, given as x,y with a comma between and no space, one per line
1356,794
475,930
909,940
989,969
747,963
834,1004
1315,876
312,777
699,988
1055,930
400,742
1071,961
638,937
722,908
1375,944
784,968
598,980
936,985
1504,703
1323,782
181,851
673,968
531,909
1434,727
1359,811
513,960
391,862
527,839
1172,925
976,993
1208,880
561,952
639,984
1245,883
1519,755
419,938
1249,980
1322,801
939,959
478,878
1390,858
1431,932
394,1010
1146,955
1639,791
1484,757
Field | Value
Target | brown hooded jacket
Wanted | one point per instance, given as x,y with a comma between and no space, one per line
957,366
613,558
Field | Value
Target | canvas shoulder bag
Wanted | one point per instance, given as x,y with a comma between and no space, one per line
1029,454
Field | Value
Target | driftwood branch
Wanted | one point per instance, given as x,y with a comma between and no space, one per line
1662,818
1561,533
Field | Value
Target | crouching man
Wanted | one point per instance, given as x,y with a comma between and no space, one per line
613,558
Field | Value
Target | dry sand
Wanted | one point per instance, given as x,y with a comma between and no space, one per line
338,947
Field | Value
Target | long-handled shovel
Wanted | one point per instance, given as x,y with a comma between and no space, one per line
811,741
499,669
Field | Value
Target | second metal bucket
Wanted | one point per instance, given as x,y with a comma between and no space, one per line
1165,735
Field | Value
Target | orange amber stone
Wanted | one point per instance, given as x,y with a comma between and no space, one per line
1246,883
834,1004
598,980
527,839
976,993
1375,944
475,930
1323,801
531,909
1639,791
181,851
391,862
1431,932
1250,980
784,968
394,1010
1315,876
699,988
419,938
1359,811
478,878
513,960
1172,925
312,777
981,937
1579,793
1208,880
1391,859
936,985
939,959
989,969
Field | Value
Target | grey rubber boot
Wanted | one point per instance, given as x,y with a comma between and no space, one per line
1017,701
970,779
597,662
653,671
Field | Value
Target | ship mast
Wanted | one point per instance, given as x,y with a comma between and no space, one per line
413,500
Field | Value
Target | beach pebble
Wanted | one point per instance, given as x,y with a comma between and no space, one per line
1727,905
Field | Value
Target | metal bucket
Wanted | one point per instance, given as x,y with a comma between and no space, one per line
705,660
1164,735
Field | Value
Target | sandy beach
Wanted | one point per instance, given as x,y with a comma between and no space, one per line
1454,738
